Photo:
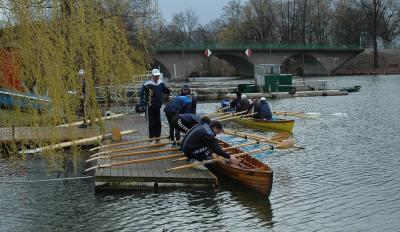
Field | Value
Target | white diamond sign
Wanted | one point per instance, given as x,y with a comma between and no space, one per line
248,52
207,52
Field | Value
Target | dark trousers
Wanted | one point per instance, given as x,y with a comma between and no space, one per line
173,133
153,115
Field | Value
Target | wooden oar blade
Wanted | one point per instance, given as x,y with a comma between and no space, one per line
280,136
285,144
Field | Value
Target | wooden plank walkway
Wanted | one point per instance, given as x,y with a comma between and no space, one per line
147,175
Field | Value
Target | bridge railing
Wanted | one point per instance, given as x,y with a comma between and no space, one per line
256,45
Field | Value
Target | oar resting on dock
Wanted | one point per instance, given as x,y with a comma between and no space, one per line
71,143
88,121
129,142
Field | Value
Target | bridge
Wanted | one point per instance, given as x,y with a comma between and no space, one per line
181,61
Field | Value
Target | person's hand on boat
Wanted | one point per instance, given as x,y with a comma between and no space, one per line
234,160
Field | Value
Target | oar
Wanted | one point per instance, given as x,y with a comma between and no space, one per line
253,136
134,161
284,144
240,116
71,143
178,155
316,114
88,121
133,153
222,109
131,148
230,115
129,142
274,139
294,114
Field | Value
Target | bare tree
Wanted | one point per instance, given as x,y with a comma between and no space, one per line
184,24
348,23
375,11
389,29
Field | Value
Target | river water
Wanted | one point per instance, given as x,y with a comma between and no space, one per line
347,179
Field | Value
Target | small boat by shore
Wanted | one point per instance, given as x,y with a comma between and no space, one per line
275,124
253,173
352,89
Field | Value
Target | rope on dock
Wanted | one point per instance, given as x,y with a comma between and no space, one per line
47,180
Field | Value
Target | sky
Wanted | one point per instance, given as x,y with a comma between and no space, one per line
206,10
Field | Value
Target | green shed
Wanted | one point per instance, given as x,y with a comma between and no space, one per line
269,78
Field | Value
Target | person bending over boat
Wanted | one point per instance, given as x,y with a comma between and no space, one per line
178,105
262,110
200,143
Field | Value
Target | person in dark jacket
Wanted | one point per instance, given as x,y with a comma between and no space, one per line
178,105
151,95
235,102
262,109
185,91
253,104
200,143
243,104
185,122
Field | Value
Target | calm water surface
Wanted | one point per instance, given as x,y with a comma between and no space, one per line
347,179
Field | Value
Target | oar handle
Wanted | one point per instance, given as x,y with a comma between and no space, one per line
132,154
131,148
129,142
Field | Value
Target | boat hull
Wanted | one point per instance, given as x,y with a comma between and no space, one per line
280,124
253,174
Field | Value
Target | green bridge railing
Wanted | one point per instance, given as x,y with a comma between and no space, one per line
254,46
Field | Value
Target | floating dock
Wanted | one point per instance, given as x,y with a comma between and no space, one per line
148,175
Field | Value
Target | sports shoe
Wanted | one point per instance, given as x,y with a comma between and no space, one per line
200,167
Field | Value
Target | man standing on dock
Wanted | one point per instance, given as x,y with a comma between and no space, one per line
152,94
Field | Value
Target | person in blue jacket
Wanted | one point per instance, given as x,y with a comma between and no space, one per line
262,109
200,143
178,105
185,91
225,105
151,95
185,122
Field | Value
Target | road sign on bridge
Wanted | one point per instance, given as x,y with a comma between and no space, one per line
207,52
248,52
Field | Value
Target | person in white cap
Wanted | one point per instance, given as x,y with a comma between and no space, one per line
243,104
262,109
151,95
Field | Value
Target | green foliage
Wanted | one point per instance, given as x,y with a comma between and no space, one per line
53,42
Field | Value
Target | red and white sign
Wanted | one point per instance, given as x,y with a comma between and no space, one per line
207,52
248,52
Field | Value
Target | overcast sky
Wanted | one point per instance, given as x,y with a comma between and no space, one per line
206,10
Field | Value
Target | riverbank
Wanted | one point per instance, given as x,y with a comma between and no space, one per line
363,64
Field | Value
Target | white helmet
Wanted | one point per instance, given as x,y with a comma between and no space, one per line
155,72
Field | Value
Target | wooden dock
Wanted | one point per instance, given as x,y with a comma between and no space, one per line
149,175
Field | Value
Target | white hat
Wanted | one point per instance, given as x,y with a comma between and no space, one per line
263,99
155,72
243,96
